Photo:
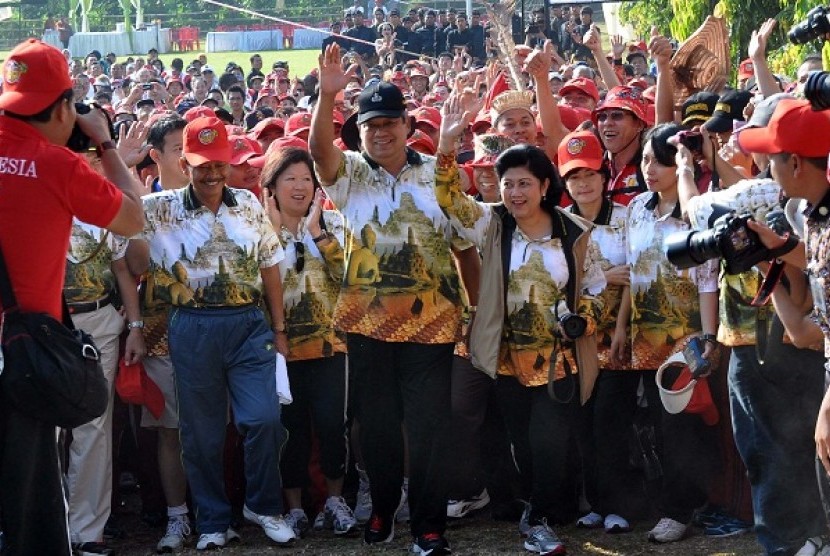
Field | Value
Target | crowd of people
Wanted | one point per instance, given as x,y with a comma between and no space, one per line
437,259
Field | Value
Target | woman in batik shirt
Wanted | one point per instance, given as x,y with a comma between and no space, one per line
668,305
608,419
551,280
311,273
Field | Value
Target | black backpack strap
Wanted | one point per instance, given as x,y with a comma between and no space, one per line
7,297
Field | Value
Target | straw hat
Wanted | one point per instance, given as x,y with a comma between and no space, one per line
702,61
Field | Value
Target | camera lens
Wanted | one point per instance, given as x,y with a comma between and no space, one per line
688,249
817,90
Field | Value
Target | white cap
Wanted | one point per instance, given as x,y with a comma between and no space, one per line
675,401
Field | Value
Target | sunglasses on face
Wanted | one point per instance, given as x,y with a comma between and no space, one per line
613,115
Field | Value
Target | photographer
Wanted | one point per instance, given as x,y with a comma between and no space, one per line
44,186
798,162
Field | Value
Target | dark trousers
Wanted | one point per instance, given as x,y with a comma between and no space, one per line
318,387
543,434
774,408
482,456
612,486
31,489
404,382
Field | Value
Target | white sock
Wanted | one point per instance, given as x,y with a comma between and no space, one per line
175,511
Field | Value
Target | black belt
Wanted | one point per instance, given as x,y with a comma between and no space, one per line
89,306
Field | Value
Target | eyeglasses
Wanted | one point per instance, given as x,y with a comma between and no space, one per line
299,264
613,115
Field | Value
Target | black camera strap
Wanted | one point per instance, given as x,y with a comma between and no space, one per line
776,271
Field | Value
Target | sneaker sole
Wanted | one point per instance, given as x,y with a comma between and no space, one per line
616,530
652,538
433,552
560,550
467,508
726,534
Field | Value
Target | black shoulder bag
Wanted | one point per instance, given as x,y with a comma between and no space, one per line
48,370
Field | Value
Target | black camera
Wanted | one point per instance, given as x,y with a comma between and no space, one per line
79,142
815,25
729,238
692,140
817,90
573,325
147,87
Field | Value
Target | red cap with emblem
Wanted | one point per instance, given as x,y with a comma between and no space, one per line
243,148
580,149
34,76
206,140
298,123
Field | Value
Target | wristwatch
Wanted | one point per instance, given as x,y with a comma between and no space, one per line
712,338
135,324
279,327
324,235
107,145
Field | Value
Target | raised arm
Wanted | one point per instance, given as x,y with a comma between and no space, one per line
538,65
593,41
326,155
767,84
661,53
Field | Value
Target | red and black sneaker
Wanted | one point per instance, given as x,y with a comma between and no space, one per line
431,544
379,529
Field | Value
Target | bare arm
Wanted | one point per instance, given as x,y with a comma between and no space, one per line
138,257
661,52
538,65
796,319
333,79
767,84
272,286
606,71
134,349
469,268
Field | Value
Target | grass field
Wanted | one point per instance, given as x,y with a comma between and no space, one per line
300,61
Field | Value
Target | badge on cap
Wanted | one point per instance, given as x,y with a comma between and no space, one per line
14,70
575,146
207,136
376,98
238,144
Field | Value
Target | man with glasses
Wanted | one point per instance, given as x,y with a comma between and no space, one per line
621,120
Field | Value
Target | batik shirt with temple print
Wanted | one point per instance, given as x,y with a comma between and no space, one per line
665,301
610,236
536,287
311,276
88,260
202,259
400,282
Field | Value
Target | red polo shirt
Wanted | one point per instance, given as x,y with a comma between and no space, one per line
42,186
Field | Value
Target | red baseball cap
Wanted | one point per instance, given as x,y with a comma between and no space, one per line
580,85
338,118
277,144
199,112
571,116
579,149
298,123
234,130
746,69
482,122
243,148
205,140
624,98
427,115
34,75
420,141
792,129
266,124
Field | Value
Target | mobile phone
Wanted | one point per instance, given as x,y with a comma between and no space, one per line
147,86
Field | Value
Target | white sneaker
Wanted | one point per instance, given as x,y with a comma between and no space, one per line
338,516
616,524
402,515
274,526
298,521
178,529
589,521
363,504
815,546
212,541
460,508
667,530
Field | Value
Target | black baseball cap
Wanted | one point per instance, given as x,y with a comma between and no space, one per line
730,107
380,100
698,108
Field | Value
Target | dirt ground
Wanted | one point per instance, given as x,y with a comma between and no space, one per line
473,535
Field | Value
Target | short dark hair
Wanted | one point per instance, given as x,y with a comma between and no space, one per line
537,163
236,89
278,162
255,56
161,127
46,114
226,80
177,64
